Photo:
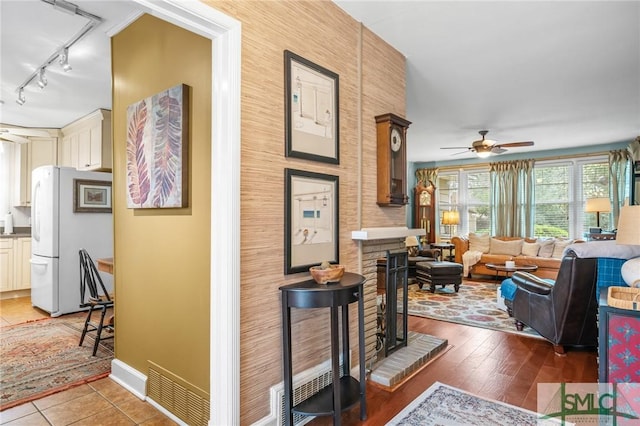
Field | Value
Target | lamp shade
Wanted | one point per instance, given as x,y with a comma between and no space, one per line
629,233
629,226
411,241
451,218
597,205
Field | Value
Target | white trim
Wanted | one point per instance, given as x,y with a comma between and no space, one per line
129,378
224,335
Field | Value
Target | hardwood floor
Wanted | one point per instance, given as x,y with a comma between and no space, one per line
492,364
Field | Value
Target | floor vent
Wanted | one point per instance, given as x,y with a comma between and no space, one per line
305,384
181,398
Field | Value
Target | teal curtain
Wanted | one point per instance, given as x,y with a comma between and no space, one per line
512,198
619,171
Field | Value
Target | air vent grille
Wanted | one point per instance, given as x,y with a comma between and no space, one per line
184,400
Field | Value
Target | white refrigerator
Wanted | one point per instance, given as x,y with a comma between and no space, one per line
58,233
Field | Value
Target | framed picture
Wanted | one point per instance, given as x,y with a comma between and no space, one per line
91,196
311,103
157,150
311,220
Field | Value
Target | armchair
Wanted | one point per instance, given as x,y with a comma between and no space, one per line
563,312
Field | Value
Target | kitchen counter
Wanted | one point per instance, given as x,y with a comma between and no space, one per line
18,232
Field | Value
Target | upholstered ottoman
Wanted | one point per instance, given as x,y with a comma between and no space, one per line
439,273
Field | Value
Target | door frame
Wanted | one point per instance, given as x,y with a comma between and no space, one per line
224,337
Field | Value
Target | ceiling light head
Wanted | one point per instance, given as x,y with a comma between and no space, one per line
483,154
42,79
64,59
21,99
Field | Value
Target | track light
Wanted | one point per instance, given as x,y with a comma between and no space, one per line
21,99
42,79
64,59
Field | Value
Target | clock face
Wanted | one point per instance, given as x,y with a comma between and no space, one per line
396,139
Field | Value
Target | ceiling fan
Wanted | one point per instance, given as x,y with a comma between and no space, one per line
19,135
485,147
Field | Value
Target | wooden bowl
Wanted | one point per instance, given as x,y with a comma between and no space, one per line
332,274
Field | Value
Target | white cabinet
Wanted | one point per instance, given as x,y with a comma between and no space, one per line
86,143
22,254
6,264
15,269
40,151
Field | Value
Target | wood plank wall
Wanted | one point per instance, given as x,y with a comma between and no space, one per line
372,81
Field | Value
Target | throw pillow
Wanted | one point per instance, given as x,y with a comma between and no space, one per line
558,248
546,247
512,248
530,249
479,242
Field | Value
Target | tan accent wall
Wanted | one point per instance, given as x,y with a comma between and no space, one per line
372,82
162,255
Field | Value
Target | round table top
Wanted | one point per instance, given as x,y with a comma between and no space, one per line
503,267
442,245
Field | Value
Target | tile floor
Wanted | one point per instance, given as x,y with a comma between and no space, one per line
102,402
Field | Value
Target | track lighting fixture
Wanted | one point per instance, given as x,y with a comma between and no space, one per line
62,54
64,59
21,99
42,79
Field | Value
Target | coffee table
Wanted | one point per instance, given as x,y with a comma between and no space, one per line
501,267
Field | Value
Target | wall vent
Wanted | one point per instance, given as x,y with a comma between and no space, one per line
184,400
305,384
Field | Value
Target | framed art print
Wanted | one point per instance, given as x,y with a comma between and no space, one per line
311,103
311,220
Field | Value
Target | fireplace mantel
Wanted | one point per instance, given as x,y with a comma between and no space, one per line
385,233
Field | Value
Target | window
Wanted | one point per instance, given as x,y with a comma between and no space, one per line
466,191
552,200
561,190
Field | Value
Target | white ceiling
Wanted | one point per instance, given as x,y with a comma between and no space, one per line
562,74
30,32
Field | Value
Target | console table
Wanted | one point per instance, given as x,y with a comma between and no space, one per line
333,399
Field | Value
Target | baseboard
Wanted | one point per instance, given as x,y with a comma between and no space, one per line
129,378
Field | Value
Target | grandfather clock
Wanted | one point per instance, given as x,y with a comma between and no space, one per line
425,210
392,160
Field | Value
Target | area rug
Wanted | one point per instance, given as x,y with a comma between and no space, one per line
475,304
445,405
42,357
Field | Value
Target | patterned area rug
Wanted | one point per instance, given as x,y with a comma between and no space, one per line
42,357
445,405
475,304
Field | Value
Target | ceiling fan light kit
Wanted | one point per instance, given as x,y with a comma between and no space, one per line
485,147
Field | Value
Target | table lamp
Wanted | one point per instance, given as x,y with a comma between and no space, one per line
451,217
411,242
597,206
629,233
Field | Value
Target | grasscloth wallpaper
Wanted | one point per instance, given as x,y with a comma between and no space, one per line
372,81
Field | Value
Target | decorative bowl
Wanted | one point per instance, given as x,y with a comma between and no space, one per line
332,274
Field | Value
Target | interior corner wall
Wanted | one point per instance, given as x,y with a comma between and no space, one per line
371,81
162,256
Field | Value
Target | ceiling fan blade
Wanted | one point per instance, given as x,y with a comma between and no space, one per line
13,138
515,144
498,149
24,132
456,147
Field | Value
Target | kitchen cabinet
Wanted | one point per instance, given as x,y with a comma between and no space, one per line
22,255
86,143
40,151
15,268
6,264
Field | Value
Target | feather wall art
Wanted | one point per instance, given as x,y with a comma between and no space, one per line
157,150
